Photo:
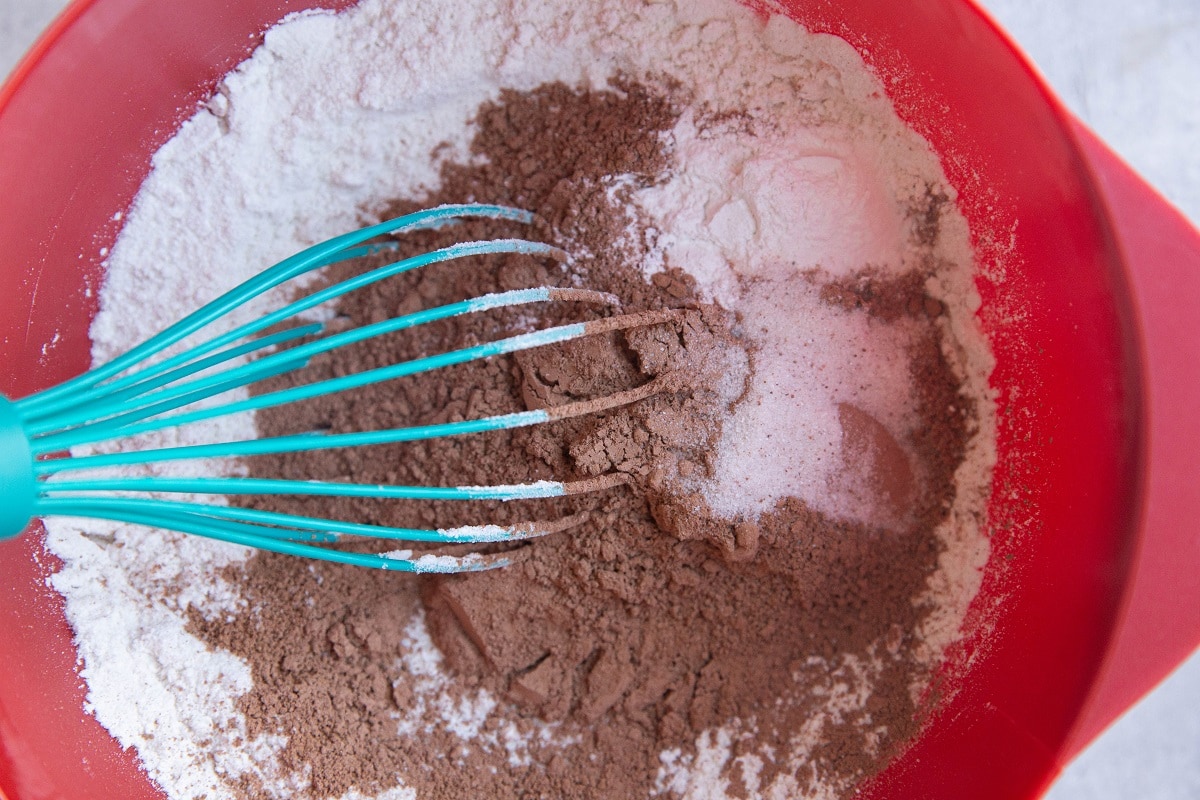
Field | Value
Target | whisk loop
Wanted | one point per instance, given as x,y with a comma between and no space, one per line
135,394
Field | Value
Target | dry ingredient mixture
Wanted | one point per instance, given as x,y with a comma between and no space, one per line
759,612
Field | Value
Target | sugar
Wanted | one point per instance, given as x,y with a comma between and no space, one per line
764,209
785,439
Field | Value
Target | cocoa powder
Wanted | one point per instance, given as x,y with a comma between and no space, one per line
647,624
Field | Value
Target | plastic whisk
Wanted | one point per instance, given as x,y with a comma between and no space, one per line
146,389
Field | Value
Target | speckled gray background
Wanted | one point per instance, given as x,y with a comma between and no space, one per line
1131,70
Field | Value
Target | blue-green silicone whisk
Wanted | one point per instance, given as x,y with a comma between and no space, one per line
137,393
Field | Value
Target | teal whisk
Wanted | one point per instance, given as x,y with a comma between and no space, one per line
135,394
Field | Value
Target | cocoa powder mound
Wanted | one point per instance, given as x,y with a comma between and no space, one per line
647,625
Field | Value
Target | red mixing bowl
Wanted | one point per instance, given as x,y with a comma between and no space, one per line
1091,288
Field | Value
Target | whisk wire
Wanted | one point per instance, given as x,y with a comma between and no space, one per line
320,440
63,411
263,539
96,422
149,380
108,429
288,525
190,359
316,257
280,486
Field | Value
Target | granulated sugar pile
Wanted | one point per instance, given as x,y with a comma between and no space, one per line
759,610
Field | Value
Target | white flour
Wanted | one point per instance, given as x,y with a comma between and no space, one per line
818,183
337,113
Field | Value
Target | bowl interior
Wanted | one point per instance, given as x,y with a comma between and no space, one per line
114,79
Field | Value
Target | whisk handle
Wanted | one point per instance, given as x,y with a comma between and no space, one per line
18,486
